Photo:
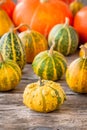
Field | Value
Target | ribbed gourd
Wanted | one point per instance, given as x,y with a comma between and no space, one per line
10,74
34,42
12,47
49,64
44,96
76,74
65,37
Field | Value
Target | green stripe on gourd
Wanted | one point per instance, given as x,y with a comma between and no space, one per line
65,37
49,66
11,47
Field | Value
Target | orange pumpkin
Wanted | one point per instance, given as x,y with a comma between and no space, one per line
41,15
8,6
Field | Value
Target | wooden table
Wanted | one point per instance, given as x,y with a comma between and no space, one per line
14,115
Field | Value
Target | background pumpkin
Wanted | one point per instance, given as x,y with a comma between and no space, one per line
43,96
10,74
8,6
39,14
80,24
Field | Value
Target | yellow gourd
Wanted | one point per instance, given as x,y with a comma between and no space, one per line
5,22
43,96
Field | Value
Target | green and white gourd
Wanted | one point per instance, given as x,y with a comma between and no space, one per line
65,37
49,65
12,48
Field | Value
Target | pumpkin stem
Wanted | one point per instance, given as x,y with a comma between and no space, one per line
43,1
2,1
66,21
84,48
16,28
51,49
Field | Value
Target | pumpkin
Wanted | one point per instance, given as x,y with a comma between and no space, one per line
43,96
5,22
80,24
34,43
49,64
83,50
75,6
8,6
12,47
76,74
68,1
41,15
10,74
65,37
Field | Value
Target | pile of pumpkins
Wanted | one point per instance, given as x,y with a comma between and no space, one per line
45,46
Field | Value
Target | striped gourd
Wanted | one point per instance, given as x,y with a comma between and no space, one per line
65,37
11,47
10,74
49,65
43,96
34,43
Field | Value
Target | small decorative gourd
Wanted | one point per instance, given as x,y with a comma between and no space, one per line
43,96
12,47
10,74
76,74
34,43
49,64
65,37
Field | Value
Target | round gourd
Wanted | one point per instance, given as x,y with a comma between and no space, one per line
49,64
34,42
41,15
10,74
76,75
11,47
65,37
43,96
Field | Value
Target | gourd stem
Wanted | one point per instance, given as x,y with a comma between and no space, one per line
1,58
43,1
16,28
52,47
66,21
2,1
40,80
84,47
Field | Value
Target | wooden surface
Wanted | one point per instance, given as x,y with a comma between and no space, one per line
14,115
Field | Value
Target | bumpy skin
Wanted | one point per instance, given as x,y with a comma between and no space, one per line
10,75
44,97
11,47
49,66
34,43
76,75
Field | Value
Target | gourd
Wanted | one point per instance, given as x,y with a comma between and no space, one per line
44,96
76,74
41,15
34,42
65,37
12,47
49,64
5,22
10,74
83,50
75,6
